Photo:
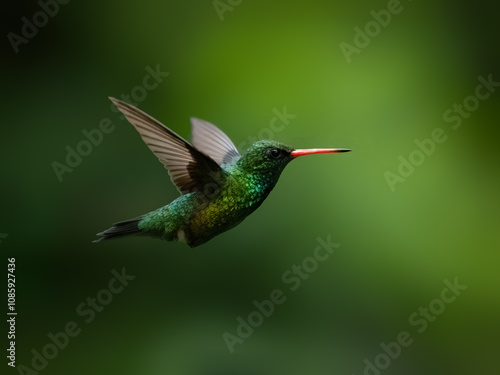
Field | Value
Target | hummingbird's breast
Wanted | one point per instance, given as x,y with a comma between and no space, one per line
238,198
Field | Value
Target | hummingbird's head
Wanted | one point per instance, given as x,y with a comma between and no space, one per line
266,157
272,157
265,160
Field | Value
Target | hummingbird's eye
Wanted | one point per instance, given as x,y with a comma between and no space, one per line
275,153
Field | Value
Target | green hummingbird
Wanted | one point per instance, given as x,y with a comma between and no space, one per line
219,187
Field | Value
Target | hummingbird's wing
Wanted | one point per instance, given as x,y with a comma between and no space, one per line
189,169
212,141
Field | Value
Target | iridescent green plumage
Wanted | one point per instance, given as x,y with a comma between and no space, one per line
199,216
219,187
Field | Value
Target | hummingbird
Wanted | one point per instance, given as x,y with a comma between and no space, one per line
219,187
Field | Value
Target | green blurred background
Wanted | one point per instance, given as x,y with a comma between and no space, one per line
396,247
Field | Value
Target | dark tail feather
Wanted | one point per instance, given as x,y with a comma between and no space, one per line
123,228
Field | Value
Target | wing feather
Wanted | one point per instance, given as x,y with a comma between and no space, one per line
189,169
212,141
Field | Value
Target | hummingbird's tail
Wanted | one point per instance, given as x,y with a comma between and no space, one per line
120,229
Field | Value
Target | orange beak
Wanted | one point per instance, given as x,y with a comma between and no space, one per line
311,151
